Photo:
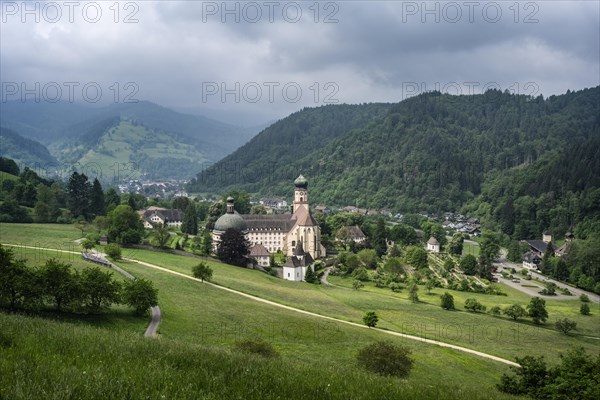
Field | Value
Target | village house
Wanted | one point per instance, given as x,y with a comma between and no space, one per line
354,233
531,260
260,253
323,209
153,216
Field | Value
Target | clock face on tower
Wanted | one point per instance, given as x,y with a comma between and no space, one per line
302,193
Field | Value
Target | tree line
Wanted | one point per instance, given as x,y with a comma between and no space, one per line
60,287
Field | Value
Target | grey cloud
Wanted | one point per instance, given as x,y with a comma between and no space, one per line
370,53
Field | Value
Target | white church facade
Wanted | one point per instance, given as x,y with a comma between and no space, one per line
296,234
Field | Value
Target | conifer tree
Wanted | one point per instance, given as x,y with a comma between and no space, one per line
97,205
190,220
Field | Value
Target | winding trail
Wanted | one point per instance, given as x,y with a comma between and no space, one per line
272,303
155,310
325,282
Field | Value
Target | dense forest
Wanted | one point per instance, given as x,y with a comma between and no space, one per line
269,162
507,158
23,150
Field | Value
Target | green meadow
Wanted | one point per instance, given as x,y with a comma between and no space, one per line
60,356
499,336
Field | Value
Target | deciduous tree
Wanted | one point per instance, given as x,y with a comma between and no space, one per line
515,311
447,301
202,271
140,294
370,319
536,309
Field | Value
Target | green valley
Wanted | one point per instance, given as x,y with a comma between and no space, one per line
140,151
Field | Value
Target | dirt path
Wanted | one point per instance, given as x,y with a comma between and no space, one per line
272,303
259,299
325,282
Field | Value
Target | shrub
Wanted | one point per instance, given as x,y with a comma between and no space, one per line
385,358
396,287
565,291
356,284
549,290
584,309
257,347
565,325
576,377
584,298
447,301
412,293
496,310
473,305
361,274
113,251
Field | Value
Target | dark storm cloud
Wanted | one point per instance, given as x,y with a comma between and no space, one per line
370,51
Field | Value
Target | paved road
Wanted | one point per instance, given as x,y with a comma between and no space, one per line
325,275
153,327
155,310
503,264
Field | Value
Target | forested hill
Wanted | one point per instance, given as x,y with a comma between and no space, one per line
432,152
22,150
267,162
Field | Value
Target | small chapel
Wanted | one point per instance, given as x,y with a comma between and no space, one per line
296,234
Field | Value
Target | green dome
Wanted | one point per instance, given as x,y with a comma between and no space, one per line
227,221
301,182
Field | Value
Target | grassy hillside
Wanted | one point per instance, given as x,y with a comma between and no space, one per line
55,360
113,143
51,123
106,356
495,335
54,236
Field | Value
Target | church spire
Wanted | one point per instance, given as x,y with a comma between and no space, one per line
300,193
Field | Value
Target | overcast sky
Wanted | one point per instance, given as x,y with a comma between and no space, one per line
269,59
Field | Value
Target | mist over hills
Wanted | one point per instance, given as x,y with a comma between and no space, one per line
78,133
24,151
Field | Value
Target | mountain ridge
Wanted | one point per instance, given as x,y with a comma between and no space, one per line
431,152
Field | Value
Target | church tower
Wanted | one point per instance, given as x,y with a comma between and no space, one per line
300,193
